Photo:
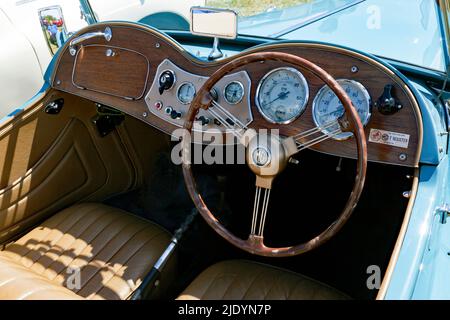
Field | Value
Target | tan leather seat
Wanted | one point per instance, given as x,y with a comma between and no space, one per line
88,251
245,280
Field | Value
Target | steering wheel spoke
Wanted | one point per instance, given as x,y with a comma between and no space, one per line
260,207
312,137
228,120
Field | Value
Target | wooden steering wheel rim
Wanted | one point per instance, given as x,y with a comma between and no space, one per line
203,100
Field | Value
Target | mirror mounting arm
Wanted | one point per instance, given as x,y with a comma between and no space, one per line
215,53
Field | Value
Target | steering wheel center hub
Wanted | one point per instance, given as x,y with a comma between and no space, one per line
266,155
261,156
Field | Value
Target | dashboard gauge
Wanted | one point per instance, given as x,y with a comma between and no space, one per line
186,92
234,92
328,108
282,95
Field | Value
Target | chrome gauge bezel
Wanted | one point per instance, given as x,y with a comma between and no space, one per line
178,92
344,135
225,91
304,83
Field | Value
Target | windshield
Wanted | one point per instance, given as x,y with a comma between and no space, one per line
402,30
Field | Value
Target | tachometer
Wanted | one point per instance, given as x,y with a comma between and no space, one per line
328,108
282,95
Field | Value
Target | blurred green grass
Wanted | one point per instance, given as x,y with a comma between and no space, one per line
252,7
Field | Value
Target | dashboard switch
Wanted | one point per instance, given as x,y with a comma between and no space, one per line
158,105
168,110
166,81
230,122
205,121
175,115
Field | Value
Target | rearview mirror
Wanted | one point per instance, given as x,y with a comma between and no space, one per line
218,23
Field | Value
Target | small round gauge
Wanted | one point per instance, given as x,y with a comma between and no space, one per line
328,108
234,92
282,95
186,92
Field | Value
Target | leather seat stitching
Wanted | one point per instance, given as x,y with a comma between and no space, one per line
251,284
63,232
88,243
112,256
127,260
230,285
209,286
41,239
271,288
291,291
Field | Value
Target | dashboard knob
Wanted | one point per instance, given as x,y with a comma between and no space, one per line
166,81
387,104
205,121
168,110
175,115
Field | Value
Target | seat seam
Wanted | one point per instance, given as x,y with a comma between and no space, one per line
100,251
40,240
113,255
270,289
63,233
123,264
291,291
76,238
209,286
251,284
229,286
87,244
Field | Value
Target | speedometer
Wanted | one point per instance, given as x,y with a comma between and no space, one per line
327,108
282,95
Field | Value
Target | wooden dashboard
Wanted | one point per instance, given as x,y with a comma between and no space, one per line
121,73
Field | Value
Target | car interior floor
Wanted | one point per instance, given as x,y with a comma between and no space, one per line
306,198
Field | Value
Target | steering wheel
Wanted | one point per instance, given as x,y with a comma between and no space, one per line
268,154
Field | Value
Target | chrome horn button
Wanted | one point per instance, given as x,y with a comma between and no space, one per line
266,155
261,156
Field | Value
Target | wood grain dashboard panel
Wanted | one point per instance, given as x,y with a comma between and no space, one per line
156,47
115,71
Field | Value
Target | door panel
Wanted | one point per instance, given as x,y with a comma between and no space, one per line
48,162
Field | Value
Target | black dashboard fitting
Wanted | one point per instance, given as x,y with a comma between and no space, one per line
54,107
387,104
107,119
166,81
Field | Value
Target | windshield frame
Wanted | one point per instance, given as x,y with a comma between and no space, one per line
444,18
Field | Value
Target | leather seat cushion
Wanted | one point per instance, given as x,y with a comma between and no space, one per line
96,251
245,280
